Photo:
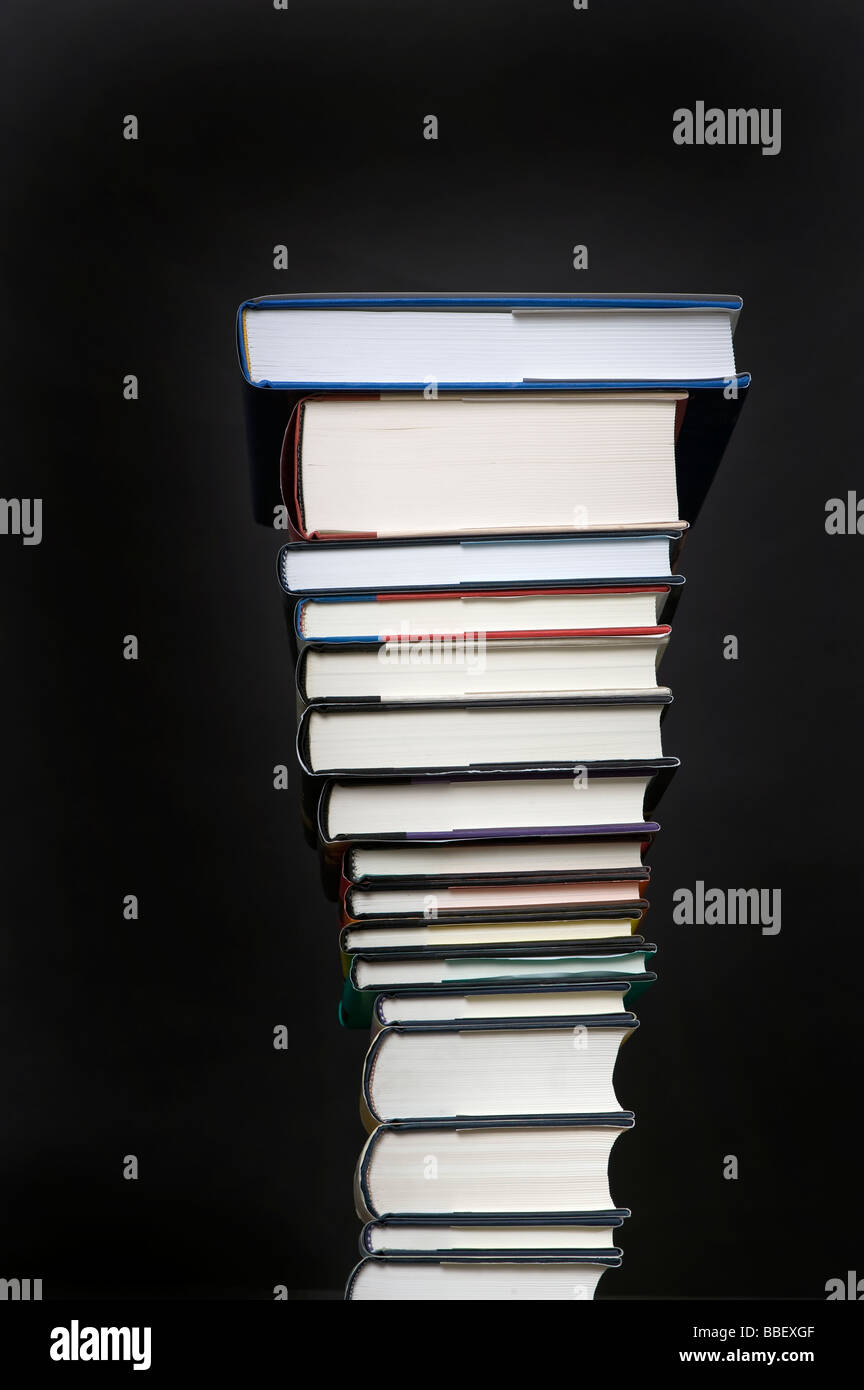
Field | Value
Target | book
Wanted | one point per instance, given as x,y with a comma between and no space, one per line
535,860
423,901
404,936
482,1069
481,1278
583,1231
501,615
503,1002
597,560
509,1168
393,466
453,737
604,802
461,669
384,971
474,341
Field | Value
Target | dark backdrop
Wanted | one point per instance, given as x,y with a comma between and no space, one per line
154,1037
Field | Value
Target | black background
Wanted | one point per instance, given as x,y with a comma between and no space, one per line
154,777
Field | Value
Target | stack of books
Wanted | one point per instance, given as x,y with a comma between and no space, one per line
487,497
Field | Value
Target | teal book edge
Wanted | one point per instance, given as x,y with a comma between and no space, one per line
355,1008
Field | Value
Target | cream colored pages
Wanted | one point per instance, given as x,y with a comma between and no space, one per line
440,467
